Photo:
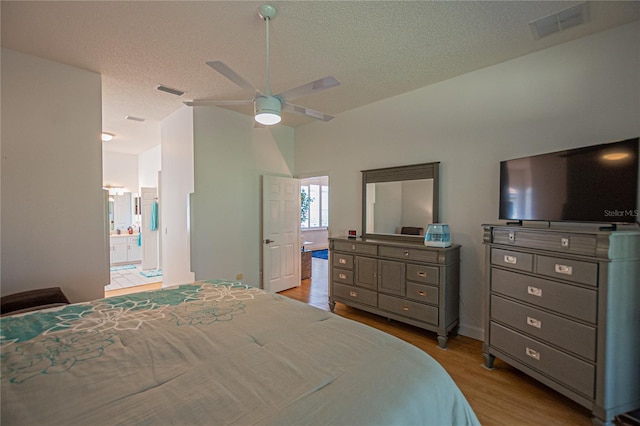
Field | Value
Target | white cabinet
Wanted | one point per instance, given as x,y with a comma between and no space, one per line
118,247
134,251
125,248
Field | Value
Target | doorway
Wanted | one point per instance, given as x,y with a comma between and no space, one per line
314,232
133,240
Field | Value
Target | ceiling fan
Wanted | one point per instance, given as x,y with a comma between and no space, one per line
268,107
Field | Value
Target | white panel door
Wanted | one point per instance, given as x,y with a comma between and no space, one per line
280,233
149,196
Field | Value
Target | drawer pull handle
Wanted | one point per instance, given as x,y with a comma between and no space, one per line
405,308
564,269
342,276
406,252
422,274
422,293
353,246
534,322
353,294
534,291
532,353
342,261
510,259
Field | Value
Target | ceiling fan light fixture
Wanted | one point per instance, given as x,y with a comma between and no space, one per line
267,110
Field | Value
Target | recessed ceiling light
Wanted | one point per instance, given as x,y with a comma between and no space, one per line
106,137
132,118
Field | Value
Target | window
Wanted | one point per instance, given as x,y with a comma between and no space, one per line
317,215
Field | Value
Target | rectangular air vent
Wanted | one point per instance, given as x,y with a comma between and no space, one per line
170,90
560,21
132,118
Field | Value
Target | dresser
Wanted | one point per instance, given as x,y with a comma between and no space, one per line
562,305
407,282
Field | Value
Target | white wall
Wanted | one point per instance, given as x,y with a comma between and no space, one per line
230,156
53,207
149,164
580,93
120,170
176,185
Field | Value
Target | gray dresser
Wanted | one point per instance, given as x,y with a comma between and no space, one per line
407,282
562,305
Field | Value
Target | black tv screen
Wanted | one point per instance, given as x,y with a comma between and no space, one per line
592,184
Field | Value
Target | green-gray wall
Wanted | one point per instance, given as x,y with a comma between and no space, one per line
53,207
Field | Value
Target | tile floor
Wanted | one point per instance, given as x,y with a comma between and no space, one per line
125,278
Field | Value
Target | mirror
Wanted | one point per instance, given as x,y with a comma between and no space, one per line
121,211
124,211
399,202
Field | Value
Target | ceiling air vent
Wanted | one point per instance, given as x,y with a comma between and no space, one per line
560,21
132,118
169,90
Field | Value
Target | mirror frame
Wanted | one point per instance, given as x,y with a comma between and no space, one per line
401,173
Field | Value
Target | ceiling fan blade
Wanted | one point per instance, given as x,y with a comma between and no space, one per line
223,69
208,103
297,109
309,88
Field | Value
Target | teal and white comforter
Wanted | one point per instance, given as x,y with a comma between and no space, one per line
215,353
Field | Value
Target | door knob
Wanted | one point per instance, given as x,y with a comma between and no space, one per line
268,241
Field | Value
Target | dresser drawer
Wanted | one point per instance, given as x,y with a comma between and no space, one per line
430,256
566,334
567,269
342,276
356,294
422,274
565,242
342,260
566,299
564,368
512,259
417,311
355,247
423,293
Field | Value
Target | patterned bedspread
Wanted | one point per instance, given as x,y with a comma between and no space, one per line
215,352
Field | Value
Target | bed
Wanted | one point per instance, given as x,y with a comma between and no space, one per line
214,353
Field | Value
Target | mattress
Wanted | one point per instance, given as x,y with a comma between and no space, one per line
215,353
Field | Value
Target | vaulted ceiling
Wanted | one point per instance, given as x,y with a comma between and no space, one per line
375,49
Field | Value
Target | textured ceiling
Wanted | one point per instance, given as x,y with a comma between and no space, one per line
375,49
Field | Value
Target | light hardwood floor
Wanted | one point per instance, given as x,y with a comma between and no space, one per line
134,289
503,396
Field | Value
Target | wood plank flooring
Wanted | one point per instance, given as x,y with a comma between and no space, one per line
503,396
134,289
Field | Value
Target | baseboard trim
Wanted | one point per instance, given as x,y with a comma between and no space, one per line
471,331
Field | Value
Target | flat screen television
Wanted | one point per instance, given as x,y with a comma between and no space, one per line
592,184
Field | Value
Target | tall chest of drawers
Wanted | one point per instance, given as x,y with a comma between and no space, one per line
407,282
563,305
